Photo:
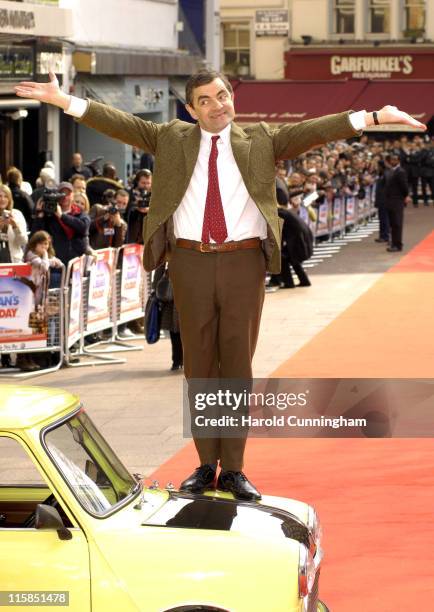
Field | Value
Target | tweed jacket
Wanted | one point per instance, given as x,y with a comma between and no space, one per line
175,146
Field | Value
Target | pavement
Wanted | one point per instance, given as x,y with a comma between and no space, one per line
138,405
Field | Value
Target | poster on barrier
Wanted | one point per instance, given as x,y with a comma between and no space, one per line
337,214
132,279
76,294
350,211
361,209
100,290
23,307
322,227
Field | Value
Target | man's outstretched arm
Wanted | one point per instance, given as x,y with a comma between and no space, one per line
105,119
289,141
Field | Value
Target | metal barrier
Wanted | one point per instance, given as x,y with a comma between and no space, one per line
42,329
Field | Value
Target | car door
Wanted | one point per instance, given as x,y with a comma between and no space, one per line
34,559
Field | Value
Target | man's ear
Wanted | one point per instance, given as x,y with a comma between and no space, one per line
191,111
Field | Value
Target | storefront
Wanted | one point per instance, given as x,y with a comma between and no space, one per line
320,81
30,45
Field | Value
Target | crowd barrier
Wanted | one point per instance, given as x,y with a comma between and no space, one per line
104,292
341,215
96,294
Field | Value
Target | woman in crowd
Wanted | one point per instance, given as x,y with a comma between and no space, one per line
13,229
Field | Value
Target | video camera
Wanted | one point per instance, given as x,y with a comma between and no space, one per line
50,200
143,198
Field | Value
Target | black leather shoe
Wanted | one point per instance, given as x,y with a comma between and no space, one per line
202,479
237,484
393,249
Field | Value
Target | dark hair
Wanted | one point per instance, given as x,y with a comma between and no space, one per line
36,238
203,77
139,174
108,195
74,177
109,170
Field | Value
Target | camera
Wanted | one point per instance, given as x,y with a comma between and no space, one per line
50,200
5,214
143,198
112,209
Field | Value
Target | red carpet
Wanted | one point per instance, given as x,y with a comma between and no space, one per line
375,497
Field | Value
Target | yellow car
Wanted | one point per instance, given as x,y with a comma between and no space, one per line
78,530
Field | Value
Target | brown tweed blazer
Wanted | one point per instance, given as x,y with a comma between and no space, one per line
175,146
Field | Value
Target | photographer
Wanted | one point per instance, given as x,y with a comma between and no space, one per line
108,229
138,206
66,222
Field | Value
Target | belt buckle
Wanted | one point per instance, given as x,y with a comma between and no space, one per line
201,247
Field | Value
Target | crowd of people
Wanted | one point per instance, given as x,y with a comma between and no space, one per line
90,210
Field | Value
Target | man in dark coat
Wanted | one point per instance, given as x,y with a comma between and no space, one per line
396,193
68,226
380,203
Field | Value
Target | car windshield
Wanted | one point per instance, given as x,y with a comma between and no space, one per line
90,467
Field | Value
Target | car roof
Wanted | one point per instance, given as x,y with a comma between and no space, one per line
24,406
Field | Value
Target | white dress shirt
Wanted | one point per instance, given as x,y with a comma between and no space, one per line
243,217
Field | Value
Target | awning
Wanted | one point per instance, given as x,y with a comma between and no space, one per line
414,97
292,101
14,103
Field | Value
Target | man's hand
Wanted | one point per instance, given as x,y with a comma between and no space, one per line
392,114
44,92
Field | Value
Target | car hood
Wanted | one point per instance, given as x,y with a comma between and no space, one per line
197,548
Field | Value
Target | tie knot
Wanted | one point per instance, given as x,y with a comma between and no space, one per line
214,139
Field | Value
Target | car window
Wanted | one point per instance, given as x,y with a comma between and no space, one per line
90,467
16,467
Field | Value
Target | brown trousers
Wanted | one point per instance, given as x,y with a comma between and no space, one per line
219,298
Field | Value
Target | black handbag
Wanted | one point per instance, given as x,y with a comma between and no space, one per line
152,319
164,289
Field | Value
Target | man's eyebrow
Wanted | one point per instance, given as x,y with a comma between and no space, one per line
204,97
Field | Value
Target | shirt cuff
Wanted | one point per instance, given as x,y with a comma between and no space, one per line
77,107
358,120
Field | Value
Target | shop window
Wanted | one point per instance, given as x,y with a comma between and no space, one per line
379,16
236,48
414,17
343,16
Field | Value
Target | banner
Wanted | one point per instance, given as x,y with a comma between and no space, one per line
322,227
350,211
100,290
23,307
132,280
337,214
76,293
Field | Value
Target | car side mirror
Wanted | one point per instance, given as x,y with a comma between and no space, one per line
48,517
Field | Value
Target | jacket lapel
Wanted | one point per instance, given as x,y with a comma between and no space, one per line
190,145
241,142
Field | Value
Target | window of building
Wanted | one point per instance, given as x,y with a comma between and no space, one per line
343,16
236,48
414,16
379,16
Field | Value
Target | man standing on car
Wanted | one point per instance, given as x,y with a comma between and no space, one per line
218,223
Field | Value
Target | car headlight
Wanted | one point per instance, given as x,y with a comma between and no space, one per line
314,526
306,572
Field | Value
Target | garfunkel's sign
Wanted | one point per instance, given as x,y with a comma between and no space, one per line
371,67
16,20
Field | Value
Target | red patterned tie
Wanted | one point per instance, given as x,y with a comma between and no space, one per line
214,224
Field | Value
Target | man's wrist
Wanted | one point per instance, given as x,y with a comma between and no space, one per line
370,118
62,100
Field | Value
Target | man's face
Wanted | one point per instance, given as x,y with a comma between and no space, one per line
66,201
79,185
212,106
77,160
121,202
145,182
394,161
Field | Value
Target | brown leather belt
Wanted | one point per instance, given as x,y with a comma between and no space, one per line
234,245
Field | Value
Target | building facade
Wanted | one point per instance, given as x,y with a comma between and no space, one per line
328,55
124,54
